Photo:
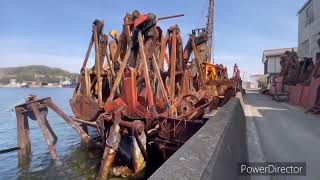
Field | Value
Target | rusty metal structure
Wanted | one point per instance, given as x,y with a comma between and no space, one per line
290,67
146,88
314,75
295,72
299,81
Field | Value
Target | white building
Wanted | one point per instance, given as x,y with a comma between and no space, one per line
309,29
271,60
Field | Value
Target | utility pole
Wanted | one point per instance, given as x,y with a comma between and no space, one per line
210,29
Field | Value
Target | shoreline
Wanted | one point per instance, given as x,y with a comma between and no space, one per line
36,87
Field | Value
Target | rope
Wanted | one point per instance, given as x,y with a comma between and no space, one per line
11,108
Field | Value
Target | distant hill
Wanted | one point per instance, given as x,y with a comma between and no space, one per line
35,73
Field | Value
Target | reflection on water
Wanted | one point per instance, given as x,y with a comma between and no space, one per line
77,161
79,164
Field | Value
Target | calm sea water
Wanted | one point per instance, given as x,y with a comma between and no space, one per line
78,162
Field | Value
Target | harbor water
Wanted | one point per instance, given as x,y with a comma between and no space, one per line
77,161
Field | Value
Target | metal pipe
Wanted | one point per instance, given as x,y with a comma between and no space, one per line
169,17
160,18
9,150
92,124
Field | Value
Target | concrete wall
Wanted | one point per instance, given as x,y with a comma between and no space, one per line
308,34
214,151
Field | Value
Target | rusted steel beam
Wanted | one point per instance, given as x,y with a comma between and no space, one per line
146,72
85,62
120,74
87,84
53,134
98,66
163,50
160,81
127,30
124,40
109,62
23,135
83,135
45,131
198,63
173,61
120,46
166,57
186,82
180,53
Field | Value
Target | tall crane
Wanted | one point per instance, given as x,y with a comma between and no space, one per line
210,29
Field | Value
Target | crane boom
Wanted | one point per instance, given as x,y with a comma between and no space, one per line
210,28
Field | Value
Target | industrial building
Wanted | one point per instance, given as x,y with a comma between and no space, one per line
271,59
309,29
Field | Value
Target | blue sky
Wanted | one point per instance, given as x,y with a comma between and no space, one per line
56,33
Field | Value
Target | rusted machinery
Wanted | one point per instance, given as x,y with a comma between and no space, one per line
290,67
314,76
299,81
298,72
144,91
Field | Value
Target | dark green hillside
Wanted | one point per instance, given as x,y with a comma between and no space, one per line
34,73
